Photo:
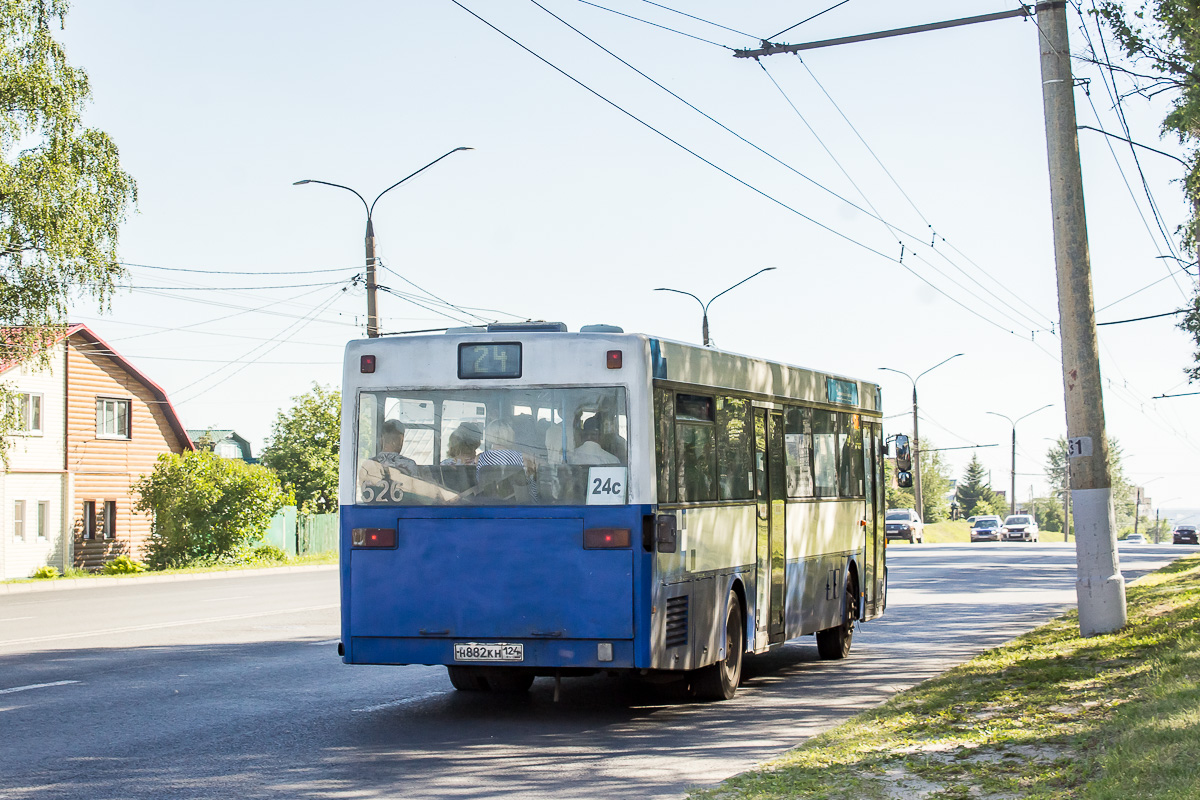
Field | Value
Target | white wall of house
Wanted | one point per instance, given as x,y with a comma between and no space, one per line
33,487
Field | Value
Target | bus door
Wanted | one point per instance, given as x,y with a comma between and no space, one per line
771,490
873,535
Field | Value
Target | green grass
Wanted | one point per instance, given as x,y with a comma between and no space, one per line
1047,715
330,557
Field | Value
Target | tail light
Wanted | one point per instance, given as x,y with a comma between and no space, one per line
605,538
373,537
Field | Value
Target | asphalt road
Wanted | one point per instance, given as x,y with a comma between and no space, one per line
231,688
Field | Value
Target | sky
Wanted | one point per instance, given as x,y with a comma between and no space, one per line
899,187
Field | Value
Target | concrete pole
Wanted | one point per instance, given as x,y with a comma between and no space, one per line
916,454
372,309
1012,487
1066,499
1099,585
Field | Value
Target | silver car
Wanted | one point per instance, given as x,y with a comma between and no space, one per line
903,523
1020,528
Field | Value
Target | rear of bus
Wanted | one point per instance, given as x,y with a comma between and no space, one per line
495,497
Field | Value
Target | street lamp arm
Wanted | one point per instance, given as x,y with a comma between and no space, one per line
371,209
680,291
905,374
731,288
337,186
998,414
1031,413
935,366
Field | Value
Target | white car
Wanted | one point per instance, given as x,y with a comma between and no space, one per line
1019,528
903,523
1135,538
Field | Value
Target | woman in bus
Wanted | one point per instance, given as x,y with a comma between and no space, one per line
463,447
500,450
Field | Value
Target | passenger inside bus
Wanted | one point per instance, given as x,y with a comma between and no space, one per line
391,445
496,465
463,447
589,451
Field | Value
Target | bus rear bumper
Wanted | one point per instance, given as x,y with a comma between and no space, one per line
537,653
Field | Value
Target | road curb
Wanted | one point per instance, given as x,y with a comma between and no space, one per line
66,584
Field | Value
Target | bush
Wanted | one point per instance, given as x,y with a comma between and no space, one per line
42,573
267,552
206,509
123,565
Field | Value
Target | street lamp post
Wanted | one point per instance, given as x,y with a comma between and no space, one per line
704,306
369,239
1012,497
916,439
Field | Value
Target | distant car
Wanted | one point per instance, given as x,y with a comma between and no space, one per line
986,529
1184,534
1020,528
1135,538
903,523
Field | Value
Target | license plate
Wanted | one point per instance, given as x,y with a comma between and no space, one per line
495,651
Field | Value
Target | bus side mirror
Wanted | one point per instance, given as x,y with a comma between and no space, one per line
903,455
904,480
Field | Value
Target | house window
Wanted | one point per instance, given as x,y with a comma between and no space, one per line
19,520
89,519
110,519
43,519
112,418
27,408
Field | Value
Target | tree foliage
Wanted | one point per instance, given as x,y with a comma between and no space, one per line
973,493
206,507
1123,501
63,194
1164,37
935,484
303,449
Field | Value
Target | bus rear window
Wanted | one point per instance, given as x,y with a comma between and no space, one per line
505,446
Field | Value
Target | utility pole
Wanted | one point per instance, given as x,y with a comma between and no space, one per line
1066,498
1099,585
918,500
1137,508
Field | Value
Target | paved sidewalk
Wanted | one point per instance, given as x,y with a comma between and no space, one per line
62,584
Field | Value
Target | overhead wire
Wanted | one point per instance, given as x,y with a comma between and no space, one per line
1046,320
810,19
238,272
699,19
654,24
746,184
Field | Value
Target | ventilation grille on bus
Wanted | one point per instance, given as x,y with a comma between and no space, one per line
677,621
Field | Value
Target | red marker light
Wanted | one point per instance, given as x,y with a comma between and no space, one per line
366,364
373,537
614,359
605,538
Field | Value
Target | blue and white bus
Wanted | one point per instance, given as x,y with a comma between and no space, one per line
522,501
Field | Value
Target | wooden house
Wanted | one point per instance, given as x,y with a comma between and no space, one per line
91,426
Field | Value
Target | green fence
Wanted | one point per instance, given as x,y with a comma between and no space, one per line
300,534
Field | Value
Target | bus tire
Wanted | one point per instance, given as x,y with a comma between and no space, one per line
468,679
720,681
835,642
510,680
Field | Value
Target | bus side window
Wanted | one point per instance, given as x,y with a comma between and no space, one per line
735,451
695,447
798,439
850,462
825,452
664,443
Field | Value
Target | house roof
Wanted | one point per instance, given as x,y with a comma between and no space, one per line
104,348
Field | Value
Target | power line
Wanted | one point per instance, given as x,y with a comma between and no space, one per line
654,24
698,19
723,171
227,288
801,22
234,272
1139,319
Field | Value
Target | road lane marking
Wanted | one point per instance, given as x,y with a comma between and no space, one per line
35,686
14,619
325,643
223,599
155,626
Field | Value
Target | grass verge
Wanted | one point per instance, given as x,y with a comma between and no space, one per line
330,557
1047,715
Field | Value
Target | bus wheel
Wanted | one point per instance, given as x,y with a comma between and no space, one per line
468,679
511,680
720,681
835,642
